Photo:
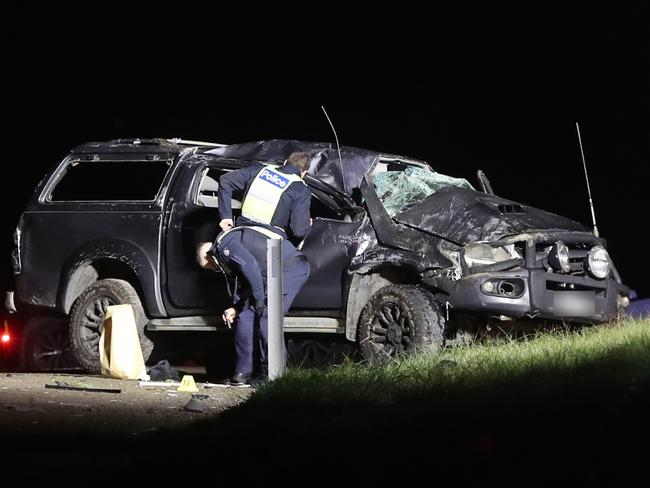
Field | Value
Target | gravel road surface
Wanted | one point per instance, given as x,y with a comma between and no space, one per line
30,408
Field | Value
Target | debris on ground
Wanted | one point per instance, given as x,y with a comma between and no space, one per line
215,385
194,405
158,384
62,385
162,371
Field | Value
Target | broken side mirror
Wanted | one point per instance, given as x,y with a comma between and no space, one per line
484,182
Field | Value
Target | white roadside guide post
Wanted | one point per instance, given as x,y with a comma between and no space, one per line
276,358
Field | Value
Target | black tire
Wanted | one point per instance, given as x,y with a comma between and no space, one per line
400,320
87,316
46,345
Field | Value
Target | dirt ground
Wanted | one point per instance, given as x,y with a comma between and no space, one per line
30,408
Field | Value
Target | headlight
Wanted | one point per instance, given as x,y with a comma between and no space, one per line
558,257
598,264
480,254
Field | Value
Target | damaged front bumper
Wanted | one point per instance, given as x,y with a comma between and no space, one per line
539,294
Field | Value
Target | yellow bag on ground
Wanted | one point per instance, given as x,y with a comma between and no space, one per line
119,345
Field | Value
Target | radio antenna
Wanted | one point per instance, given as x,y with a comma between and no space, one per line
584,164
338,147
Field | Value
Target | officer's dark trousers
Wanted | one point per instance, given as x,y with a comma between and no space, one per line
249,248
234,248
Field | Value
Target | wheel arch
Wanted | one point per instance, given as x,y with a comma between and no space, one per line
366,282
113,259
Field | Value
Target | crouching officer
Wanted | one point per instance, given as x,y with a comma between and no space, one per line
276,204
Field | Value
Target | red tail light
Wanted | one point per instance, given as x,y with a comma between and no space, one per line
6,337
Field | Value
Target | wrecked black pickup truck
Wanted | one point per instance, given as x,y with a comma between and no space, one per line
402,258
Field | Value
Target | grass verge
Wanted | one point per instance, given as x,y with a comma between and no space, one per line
569,404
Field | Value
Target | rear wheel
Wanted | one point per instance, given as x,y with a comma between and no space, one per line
400,320
46,345
87,320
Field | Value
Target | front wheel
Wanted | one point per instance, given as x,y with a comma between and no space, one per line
87,320
400,320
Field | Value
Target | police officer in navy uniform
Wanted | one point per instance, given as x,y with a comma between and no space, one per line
276,204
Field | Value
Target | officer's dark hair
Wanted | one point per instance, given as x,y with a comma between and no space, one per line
299,160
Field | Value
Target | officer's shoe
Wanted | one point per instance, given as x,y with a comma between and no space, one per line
259,381
240,379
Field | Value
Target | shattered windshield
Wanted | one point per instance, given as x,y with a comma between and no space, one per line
398,190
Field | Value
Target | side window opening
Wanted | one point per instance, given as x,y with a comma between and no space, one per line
110,181
208,196
324,208
208,191
318,209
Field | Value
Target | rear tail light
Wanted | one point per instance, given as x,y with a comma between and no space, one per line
5,338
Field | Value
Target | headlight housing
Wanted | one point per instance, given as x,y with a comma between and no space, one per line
480,254
558,257
597,263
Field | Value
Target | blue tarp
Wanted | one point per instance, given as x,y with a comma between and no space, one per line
639,309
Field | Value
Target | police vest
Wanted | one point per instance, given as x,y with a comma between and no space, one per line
264,194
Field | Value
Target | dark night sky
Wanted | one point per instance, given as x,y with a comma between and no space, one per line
466,89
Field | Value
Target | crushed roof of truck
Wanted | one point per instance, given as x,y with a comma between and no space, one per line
344,174
162,147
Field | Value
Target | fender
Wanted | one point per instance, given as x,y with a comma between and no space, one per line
112,258
366,281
